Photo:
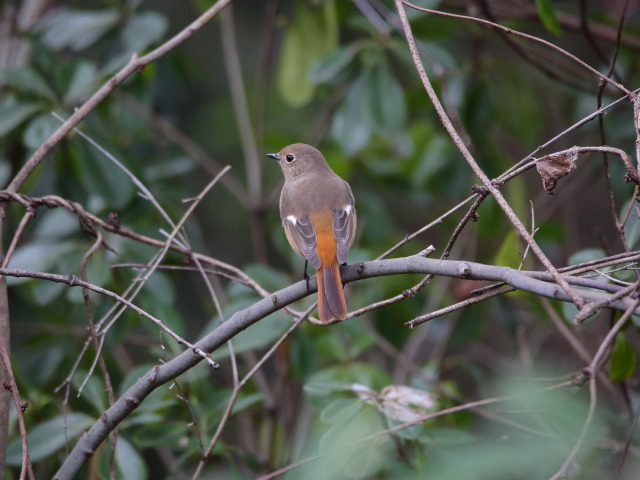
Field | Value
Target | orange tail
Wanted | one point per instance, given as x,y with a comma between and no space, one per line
331,302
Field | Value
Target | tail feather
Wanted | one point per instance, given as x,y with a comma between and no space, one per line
331,302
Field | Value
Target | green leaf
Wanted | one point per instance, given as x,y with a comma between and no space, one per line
142,30
352,123
341,378
431,161
257,336
448,436
46,438
268,277
586,255
56,224
102,177
165,433
13,114
547,15
129,461
348,458
38,257
386,100
94,390
29,81
311,36
44,293
76,29
508,254
632,227
331,66
623,359
82,85
341,411
246,401
39,130
155,401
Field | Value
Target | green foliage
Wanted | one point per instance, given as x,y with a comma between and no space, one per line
308,38
632,227
319,71
49,437
623,360
548,16
509,253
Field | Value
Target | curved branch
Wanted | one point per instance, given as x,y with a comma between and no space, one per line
161,374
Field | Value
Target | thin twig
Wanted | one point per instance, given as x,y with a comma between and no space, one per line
584,314
52,201
408,293
146,193
528,37
495,192
577,345
136,64
591,373
458,306
27,468
74,281
525,163
187,144
253,162
92,332
238,386
627,445
28,215
584,26
435,222
141,280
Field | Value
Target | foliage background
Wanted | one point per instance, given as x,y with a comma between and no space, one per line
337,75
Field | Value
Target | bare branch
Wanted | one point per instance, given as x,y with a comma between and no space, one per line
591,373
188,145
488,185
241,320
528,37
134,65
21,406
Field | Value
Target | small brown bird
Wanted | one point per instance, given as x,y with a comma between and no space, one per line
319,218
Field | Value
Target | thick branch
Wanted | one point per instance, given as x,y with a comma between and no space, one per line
242,319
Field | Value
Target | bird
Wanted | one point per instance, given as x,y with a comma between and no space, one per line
318,214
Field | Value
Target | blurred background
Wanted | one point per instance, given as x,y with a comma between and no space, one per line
337,75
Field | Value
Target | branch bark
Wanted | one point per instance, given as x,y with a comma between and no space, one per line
416,264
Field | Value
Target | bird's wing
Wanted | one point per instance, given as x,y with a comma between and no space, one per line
302,233
344,229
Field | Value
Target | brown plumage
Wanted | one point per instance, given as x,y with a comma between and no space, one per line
319,218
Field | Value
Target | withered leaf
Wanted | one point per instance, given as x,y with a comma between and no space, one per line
555,166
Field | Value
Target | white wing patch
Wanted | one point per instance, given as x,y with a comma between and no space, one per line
292,219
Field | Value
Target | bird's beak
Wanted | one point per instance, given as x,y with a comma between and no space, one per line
275,156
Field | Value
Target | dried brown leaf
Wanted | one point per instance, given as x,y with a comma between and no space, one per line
555,166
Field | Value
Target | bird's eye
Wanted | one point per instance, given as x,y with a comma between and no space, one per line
289,158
